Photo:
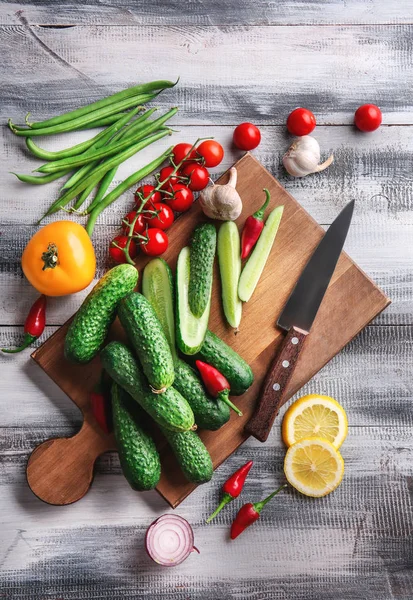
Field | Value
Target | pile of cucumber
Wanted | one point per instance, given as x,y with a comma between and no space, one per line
150,378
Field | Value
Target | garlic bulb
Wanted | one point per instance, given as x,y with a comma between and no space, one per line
303,156
222,202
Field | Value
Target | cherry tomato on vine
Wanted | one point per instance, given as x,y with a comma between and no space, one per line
143,192
157,242
301,121
198,176
181,199
211,152
164,174
368,117
182,151
117,254
139,226
163,219
246,136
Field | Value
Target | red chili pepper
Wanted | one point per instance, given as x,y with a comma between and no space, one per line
101,406
33,326
216,384
249,513
253,228
232,487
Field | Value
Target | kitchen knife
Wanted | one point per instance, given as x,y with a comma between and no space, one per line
297,318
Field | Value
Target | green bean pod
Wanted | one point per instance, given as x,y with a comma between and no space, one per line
136,90
98,173
102,122
40,180
83,120
123,187
109,149
79,174
83,196
103,188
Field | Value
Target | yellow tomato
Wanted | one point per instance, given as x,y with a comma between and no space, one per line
59,259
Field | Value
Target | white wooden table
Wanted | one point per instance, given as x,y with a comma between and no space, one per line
238,61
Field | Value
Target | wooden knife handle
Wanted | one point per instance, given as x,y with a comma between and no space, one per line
272,395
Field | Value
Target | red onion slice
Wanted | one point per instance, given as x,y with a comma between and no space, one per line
170,540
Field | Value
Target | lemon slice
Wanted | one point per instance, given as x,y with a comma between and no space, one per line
314,467
315,416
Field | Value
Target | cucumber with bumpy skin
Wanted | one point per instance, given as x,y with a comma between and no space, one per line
209,413
256,262
190,330
217,353
157,287
229,259
148,339
192,455
170,410
88,330
203,246
138,455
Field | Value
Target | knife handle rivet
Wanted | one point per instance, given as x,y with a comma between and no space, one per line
276,387
285,364
294,340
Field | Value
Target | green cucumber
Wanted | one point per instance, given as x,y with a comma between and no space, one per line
221,356
170,410
157,287
138,455
203,246
256,262
148,339
209,413
190,330
192,455
88,330
229,258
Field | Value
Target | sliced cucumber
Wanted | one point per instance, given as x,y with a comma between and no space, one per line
256,262
157,287
229,258
190,330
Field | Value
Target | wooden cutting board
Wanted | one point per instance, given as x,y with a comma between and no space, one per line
60,471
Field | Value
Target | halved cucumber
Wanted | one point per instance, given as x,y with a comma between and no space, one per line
229,258
157,287
256,262
190,330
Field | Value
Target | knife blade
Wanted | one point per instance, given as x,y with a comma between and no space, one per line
297,318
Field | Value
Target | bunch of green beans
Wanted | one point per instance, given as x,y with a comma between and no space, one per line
94,162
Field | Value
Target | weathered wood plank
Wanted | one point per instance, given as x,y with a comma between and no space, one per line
356,542
370,377
212,12
331,70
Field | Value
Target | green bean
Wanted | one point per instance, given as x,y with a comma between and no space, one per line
108,150
41,180
79,174
98,173
85,119
73,150
83,196
122,187
102,122
103,188
137,90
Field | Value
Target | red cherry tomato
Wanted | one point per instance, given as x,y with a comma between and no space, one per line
301,122
116,253
198,176
157,242
143,192
211,152
181,151
139,226
181,199
246,136
163,219
368,117
164,174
